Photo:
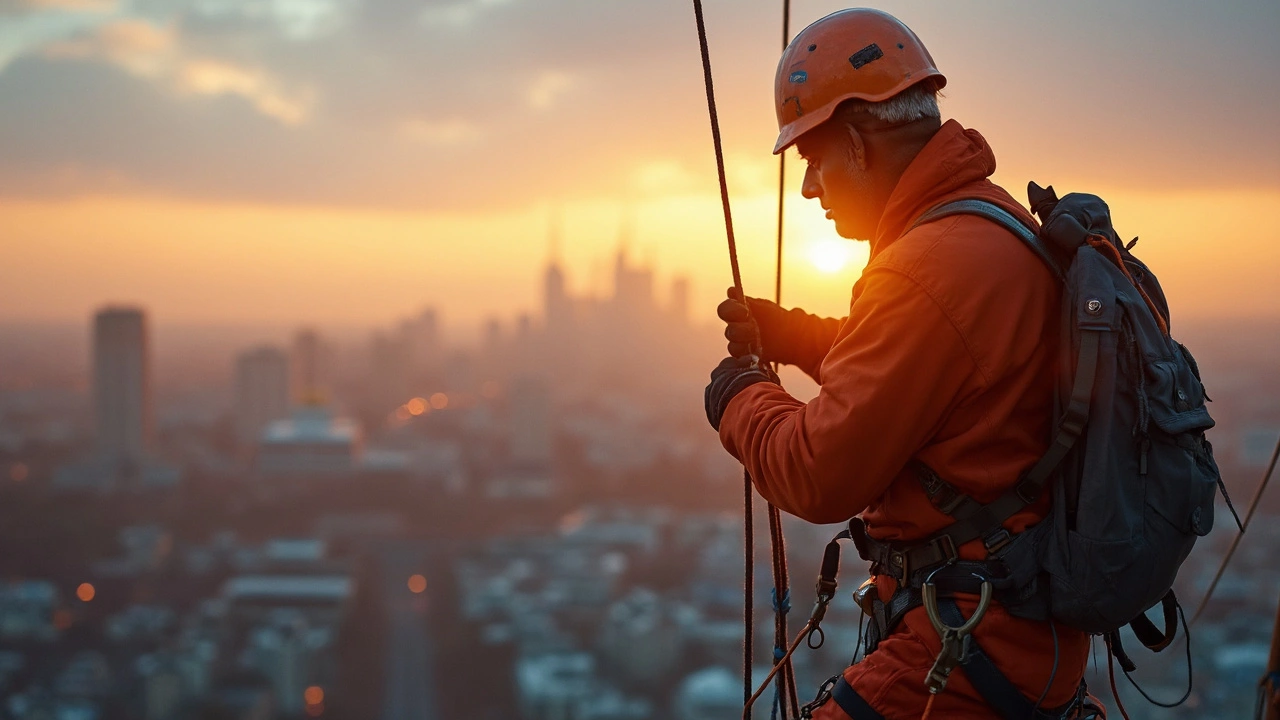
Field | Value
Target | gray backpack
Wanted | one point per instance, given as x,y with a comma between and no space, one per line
1136,478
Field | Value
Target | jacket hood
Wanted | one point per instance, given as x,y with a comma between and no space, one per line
953,158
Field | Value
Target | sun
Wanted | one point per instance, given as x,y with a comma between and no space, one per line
830,255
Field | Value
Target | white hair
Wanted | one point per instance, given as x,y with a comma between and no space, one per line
915,103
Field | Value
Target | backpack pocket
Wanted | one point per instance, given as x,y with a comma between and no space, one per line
1181,477
1175,397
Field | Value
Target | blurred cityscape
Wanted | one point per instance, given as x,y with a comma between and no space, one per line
254,525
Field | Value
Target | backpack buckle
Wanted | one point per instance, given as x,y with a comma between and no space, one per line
997,541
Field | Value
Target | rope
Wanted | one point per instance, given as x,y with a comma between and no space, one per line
781,595
782,165
748,503
1111,676
786,681
928,707
1231,551
715,139
785,690
748,609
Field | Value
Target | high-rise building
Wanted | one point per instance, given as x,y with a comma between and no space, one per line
262,391
390,369
422,333
680,300
121,385
310,443
310,373
632,285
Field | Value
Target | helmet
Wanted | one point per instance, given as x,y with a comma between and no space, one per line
857,53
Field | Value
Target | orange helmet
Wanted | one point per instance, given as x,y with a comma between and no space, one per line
857,53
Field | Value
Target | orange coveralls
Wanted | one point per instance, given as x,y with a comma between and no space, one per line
947,356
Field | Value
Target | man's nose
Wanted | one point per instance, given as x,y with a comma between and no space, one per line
810,188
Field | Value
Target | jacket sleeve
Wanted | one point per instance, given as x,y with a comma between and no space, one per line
898,367
803,340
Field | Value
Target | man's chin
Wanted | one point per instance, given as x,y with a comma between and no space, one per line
849,232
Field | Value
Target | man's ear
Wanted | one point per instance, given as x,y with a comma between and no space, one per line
857,148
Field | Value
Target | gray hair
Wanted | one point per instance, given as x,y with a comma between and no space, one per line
915,103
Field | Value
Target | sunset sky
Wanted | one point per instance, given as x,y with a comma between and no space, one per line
350,161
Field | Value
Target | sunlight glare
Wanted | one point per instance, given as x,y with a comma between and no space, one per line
830,255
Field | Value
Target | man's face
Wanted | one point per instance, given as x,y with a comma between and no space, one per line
836,179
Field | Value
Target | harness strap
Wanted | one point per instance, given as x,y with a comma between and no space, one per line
852,703
995,688
974,520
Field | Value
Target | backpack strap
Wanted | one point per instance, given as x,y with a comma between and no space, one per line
999,216
974,520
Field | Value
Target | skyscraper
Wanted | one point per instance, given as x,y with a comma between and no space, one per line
262,391
310,373
121,385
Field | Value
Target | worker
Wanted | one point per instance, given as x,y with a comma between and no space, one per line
945,362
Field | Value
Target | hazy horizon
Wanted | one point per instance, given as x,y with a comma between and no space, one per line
217,163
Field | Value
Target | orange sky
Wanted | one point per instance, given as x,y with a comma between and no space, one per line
347,170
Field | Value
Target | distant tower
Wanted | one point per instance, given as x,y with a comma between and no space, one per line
492,335
309,368
680,300
557,308
262,391
391,366
423,335
632,286
121,384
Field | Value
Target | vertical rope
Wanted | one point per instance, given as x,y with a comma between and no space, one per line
715,139
748,501
782,166
786,683
749,590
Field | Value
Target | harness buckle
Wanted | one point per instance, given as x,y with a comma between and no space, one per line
899,558
947,499
947,547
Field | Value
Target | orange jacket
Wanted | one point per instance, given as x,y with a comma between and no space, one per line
946,355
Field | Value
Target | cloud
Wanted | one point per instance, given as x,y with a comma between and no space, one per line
216,77
149,51
547,87
93,6
468,103
453,131
141,48
457,14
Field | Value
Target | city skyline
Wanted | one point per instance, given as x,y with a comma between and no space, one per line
354,353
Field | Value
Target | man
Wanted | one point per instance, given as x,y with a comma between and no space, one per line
944,364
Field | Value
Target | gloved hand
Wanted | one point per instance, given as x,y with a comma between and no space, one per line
750,324
732,376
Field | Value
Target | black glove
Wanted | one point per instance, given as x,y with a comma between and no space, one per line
732,376
750,325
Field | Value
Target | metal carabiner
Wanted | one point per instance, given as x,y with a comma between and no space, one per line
930,594
955,641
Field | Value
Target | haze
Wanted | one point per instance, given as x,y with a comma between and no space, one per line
348,162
